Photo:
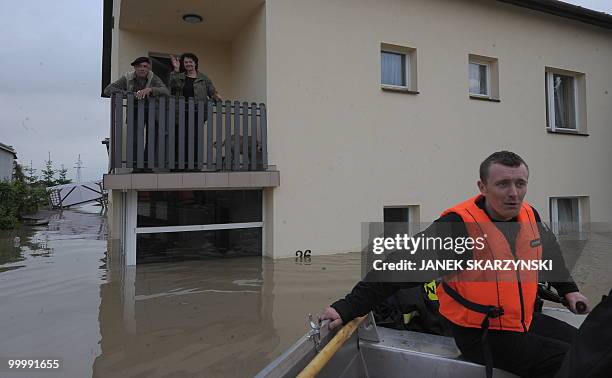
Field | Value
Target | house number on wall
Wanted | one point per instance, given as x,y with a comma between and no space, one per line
302,257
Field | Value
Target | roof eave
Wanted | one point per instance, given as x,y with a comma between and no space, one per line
565,10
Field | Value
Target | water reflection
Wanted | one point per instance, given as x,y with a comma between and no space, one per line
49,288
16,244
226,317
184,319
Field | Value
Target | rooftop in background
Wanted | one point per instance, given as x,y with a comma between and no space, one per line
8,149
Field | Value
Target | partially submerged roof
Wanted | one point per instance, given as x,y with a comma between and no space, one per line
566,10
8,149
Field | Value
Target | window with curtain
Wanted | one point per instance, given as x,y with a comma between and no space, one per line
393,68
565,215
561,101
479,79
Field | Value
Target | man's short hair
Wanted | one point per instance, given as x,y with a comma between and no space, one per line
507,158
140,59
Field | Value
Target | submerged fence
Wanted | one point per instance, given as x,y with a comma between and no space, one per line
174,133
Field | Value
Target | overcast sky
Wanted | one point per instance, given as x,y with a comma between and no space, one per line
50,81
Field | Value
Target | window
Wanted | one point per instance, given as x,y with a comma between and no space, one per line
199,207
483,78
400,220
393,68
565,108
397,68
567,215
180,225
479,79
198,245
562,100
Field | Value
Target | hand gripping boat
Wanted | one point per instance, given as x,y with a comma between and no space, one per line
372,351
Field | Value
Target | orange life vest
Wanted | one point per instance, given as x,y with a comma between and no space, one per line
513,291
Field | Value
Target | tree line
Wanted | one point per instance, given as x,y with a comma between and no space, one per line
27,192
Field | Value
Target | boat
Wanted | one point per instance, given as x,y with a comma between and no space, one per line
374,352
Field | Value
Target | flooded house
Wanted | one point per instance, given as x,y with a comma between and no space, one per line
7,156
342,112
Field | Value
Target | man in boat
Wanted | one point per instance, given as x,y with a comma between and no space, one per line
516,338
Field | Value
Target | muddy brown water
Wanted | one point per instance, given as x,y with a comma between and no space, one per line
63,296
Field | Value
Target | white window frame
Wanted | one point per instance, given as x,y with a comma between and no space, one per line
198,227
551,102
407,75
488,69
554,213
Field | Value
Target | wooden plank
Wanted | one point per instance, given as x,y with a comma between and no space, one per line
181,133
190,133
263,121
253,136
236,135
161,133
140,135
131,130
245,136
118,130
171,135
209,136
200,138
219,136
228,135
151,134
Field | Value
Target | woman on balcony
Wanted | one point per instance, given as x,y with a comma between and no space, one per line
187,81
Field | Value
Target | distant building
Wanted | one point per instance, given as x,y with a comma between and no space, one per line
7,155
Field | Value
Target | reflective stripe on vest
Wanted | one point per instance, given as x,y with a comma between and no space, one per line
514,290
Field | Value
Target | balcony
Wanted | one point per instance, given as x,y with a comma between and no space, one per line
177,143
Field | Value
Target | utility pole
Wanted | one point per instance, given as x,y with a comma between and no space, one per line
78,166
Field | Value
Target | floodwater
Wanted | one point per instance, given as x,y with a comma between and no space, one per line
63,296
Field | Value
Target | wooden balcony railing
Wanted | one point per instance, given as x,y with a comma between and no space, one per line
178,134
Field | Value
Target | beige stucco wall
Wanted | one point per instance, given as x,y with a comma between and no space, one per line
214,57
345,148
248,57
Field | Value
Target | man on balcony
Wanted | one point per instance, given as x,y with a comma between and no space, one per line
142,81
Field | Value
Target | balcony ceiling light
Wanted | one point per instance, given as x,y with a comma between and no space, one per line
192,18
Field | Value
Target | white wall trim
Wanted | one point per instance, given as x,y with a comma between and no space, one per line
131,215
199,227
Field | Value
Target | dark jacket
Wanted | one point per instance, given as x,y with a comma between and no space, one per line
203,87
125,84
368,293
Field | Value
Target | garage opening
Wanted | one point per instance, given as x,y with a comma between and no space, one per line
204,224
